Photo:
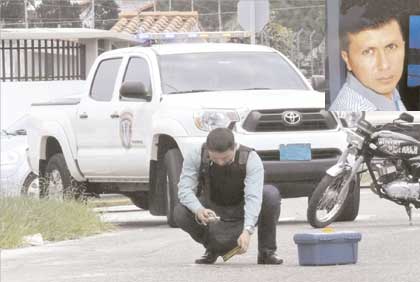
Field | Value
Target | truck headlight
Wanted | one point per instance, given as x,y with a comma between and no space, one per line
9,158
208,120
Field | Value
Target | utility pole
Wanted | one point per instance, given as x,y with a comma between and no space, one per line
154,5
93,13
192,5
219,9
170,5
59,16
26,13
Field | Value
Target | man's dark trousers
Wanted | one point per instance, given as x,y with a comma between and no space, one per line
267,222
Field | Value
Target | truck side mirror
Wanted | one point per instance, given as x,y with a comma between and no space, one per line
21,132
318,83
134,90
406,117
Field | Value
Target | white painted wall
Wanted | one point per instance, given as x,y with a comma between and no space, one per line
16,97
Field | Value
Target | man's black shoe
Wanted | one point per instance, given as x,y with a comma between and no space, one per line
209,257
269,257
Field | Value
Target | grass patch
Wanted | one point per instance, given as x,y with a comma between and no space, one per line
55,220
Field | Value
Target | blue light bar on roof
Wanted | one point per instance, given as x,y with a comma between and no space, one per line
192,35
143,36
169,35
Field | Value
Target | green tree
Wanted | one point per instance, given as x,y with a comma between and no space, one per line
287,18
295,15
308,15
106,14
12,13
279,37
58,13
208,11
209,17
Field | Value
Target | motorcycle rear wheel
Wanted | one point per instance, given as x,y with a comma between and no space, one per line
328,200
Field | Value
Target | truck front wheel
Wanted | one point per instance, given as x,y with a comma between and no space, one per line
173,166
140,199
30,187
58,182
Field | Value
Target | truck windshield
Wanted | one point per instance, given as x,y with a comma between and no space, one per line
224,71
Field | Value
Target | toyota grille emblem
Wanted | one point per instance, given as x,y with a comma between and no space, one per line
292,117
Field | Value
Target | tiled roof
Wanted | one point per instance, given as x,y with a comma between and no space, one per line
156,22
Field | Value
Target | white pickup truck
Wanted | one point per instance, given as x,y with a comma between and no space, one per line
145,107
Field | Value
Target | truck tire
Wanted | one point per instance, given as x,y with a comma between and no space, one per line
173,166
351,206
58,182
30,187
140,199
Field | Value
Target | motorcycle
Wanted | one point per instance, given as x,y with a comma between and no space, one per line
392,158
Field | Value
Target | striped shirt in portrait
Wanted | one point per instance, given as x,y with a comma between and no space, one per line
354,97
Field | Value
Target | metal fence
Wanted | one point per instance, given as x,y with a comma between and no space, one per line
308,56
42,60
300,48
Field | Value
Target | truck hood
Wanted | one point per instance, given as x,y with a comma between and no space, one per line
251,99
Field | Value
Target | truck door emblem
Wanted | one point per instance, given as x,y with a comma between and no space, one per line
126,127
292,117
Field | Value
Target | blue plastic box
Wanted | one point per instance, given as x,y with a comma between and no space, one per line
327,248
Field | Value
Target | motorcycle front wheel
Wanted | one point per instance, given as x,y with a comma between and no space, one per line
328,200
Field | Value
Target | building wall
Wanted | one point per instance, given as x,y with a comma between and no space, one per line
16,97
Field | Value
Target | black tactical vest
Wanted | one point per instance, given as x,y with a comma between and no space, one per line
223,185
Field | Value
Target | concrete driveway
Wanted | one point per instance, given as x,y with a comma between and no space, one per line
143,248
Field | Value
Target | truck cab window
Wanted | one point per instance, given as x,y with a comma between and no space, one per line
104,80
138,70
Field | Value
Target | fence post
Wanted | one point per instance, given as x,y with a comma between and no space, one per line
298,46
83,61
311,50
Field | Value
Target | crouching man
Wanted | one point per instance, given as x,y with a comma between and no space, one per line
223,198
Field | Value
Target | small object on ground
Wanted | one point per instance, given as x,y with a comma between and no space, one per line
33,240
328,230
231,253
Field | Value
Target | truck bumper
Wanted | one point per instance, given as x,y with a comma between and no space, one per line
296,178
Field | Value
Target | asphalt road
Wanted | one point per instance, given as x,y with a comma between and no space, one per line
144,249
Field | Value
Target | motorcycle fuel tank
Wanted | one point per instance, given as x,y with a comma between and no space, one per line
397,147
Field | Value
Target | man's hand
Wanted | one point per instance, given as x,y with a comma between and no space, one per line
243,241
205,215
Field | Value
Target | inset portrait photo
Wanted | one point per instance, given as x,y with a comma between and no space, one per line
373,55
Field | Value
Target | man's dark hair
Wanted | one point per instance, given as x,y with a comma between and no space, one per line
220,140
360,15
